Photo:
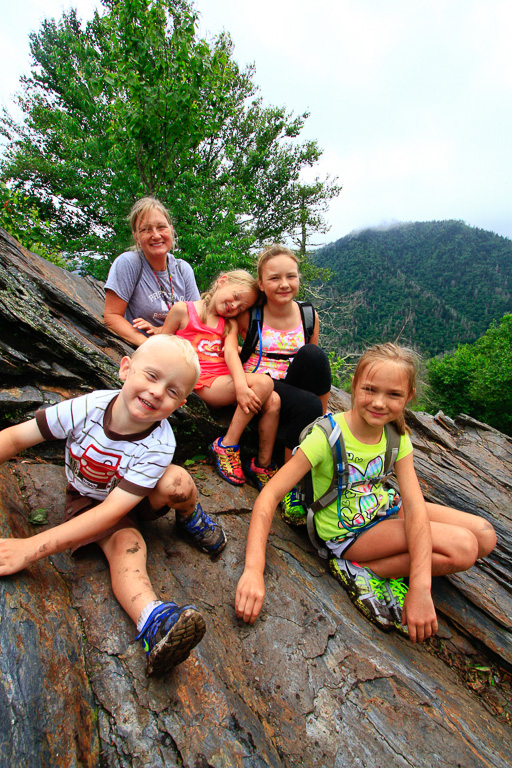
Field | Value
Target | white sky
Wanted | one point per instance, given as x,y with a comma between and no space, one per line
409,99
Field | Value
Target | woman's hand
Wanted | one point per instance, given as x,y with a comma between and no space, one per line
250,594
142,325
248,400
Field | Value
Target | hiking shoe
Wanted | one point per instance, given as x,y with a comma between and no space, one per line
292,510
201,531
227,462
398,590
366,590
260,475
169,635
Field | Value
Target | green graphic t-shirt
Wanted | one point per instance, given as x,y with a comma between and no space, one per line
362,503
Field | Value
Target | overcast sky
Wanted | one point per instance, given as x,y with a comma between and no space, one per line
410,100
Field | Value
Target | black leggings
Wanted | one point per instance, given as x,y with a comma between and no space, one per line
308,376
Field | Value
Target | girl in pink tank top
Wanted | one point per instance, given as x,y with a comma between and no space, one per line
211,326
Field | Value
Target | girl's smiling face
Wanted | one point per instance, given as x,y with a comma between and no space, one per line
231,299
280,279
381,393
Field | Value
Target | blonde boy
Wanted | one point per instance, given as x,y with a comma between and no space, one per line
119,449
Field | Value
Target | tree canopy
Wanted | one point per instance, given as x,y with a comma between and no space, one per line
477,378
132,103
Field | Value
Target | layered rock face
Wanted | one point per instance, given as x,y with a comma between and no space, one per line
312,683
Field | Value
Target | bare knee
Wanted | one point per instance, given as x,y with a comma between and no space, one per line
125,541
464,552
273,403
176,487
486,537
262,385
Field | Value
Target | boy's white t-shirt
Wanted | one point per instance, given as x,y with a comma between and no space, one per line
360,505
98,459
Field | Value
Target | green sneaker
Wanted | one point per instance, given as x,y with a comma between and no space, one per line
292,510
398,590
367,591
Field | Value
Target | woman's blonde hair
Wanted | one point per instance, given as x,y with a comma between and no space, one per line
233,277
404,357
269,253
141,208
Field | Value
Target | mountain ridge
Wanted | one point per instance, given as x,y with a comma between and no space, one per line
436,284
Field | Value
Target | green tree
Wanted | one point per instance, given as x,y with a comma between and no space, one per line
312,201
477,378
20,218
134,103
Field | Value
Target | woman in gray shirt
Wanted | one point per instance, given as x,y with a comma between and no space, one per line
146,282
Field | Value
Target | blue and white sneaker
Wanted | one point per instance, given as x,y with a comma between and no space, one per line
169,635
201,531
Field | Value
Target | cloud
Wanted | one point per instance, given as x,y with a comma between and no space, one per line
409,99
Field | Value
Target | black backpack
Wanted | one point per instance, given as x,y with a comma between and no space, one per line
340,477
307,314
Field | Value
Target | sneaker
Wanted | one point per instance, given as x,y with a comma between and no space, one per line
292,510
398,590
260,475
169,635
202,531
367,591
227,462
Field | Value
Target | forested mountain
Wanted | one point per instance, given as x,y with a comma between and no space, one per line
440,283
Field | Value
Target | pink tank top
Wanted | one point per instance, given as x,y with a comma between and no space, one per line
209,345
276,342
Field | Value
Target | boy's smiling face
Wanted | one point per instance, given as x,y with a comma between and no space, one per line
157,380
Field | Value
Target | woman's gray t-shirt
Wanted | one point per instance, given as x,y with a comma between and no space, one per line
145,294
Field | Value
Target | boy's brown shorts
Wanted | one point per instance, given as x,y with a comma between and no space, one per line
76,504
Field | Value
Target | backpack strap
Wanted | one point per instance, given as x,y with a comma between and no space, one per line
307,314
253,333
141,266
392,447
339,480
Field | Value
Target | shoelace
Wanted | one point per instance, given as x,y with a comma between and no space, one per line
264,474
154,623
378,587
200,522
399,589
232,457
291,498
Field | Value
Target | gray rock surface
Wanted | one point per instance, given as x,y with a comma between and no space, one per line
312,683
